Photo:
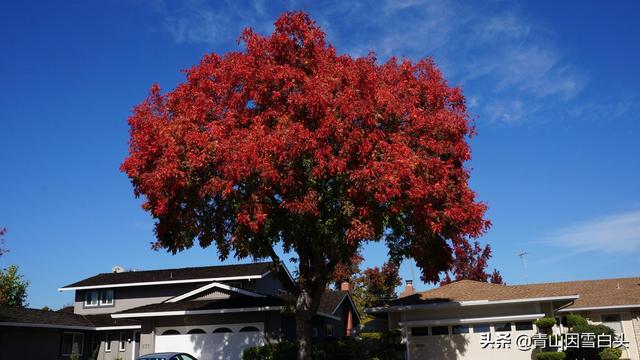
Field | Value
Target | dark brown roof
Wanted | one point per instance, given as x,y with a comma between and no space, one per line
43,317
208,272
592,293
230,303
328,303
330,300
59,318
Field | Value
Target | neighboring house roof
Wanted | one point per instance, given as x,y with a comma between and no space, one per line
10,316
582,294
167,276
331,301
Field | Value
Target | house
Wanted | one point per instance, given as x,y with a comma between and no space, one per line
451,321
210,312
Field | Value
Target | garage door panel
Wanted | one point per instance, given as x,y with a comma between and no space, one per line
224,346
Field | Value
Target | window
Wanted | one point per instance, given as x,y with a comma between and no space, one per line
460,329
91,298
329,330
106,297
249,329
440,330
196,331
222,330
524,325
420,331
501,327
122,343
314,332
171,332
481,328
185,357
71,343
613,321
107,345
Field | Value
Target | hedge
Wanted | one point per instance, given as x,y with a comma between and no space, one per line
550,355
370,346
610,354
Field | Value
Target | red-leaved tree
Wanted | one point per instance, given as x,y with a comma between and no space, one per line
289,143
470,263
379,283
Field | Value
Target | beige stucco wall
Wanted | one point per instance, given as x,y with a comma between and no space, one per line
463,347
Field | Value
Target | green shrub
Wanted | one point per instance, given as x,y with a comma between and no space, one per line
550,355
588,353
278,351
575,320
331,349
610,354
545,324
370,335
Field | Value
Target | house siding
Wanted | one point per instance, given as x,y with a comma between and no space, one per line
131,297
36,343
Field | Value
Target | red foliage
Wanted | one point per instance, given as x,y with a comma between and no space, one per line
345,271
380,283
288,142
470,263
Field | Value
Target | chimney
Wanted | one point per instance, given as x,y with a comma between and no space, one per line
345,286
408,290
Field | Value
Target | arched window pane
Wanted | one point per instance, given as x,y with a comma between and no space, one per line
222,330
196,331
171,332
249,328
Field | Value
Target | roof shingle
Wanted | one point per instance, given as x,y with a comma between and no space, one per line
592,293
59,318
207,272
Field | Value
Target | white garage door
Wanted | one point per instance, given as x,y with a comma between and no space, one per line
223,342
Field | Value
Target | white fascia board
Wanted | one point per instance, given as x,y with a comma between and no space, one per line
608,307
210,286
328,316
165,282
70,327
453,304
460,321
127,327
195,312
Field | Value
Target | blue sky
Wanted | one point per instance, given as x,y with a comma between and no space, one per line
553,86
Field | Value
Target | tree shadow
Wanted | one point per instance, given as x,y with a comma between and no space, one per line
439,346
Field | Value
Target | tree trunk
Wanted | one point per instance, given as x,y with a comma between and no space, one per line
304,317
306,306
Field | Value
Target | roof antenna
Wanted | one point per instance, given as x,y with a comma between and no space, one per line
524,265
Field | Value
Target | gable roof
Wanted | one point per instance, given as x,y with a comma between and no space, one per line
329,304
172,276
331,301
10,316
586,294
200,307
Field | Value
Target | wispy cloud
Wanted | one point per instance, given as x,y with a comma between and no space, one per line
613,233
511,64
